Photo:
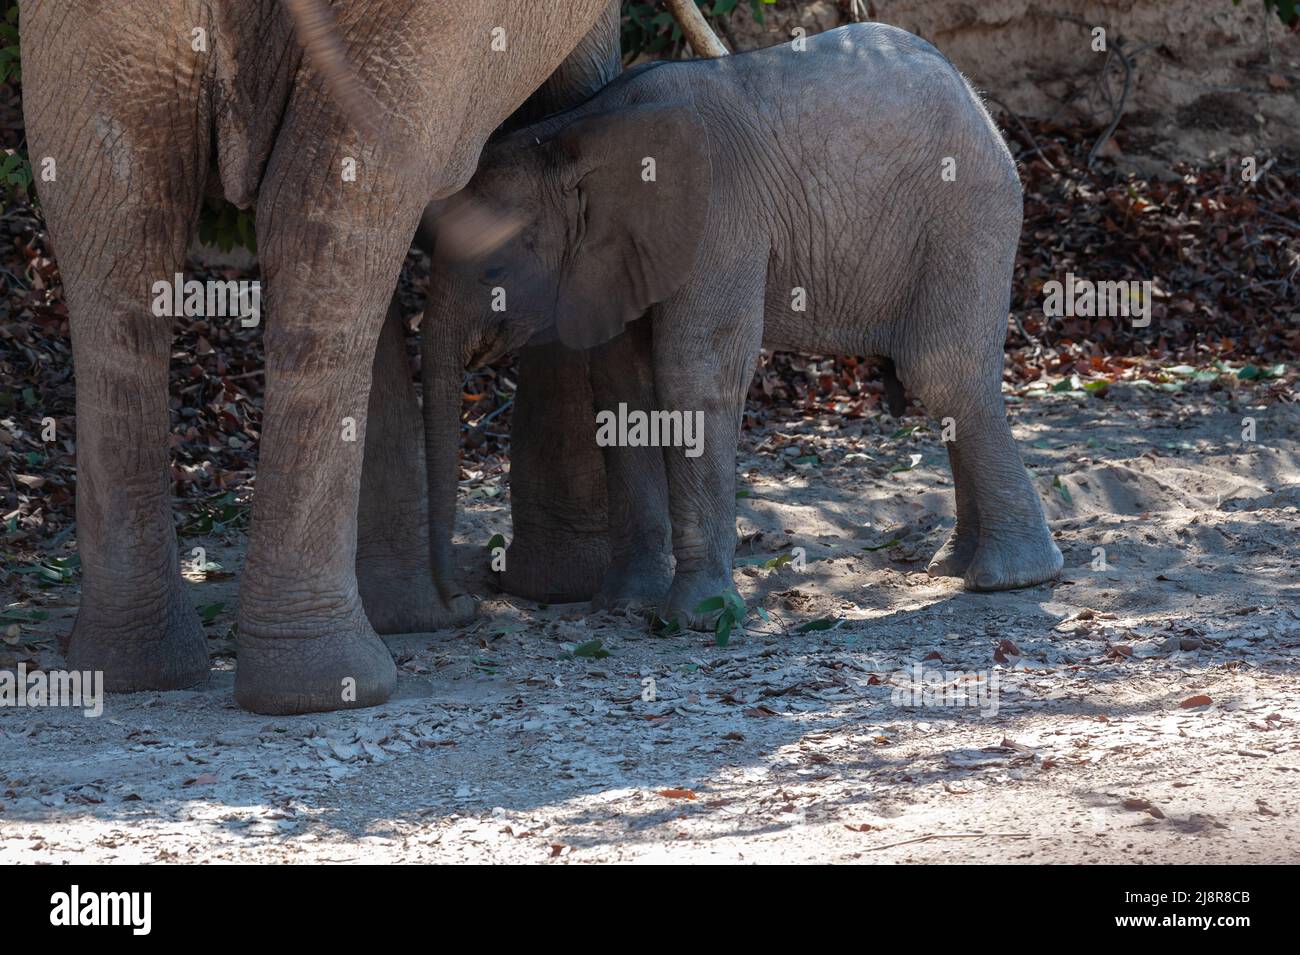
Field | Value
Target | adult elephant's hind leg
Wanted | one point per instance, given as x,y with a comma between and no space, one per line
120,213
331,252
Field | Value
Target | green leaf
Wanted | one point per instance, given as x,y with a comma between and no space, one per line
901,433
1062,489
209,612
1096,387
710,604
722,629
592,648
821,623
807,459
665,628
495,541
17,616
889,543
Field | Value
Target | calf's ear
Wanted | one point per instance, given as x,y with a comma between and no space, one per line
637,185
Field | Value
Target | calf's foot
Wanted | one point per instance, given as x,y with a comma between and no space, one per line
634,584
555,571
956,555
1008,561
398,601
688,592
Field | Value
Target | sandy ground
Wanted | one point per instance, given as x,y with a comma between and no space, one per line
1146,712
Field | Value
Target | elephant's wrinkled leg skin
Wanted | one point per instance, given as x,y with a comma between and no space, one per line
640,533
1014,547
708,372
135,624
952,559
394,575
331,252
559,551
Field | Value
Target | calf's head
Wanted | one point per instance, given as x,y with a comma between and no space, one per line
572,229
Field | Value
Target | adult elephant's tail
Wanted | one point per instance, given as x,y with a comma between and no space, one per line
317,31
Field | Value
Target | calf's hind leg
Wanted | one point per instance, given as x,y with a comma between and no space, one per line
1001,540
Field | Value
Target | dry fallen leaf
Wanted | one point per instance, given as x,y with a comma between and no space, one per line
1199,699
678,794
1143,805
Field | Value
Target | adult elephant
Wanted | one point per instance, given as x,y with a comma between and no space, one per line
137,102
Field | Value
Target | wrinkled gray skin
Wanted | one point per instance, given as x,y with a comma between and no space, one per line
560,480
558,501
136,121
757,195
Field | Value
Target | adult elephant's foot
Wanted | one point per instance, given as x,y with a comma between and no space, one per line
555,572
161,649
1008,561
688,592
634,584
405,602
956,555
345,667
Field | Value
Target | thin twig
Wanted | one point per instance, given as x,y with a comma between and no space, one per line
953,835
1119,110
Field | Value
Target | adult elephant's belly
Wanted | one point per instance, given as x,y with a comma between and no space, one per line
439,76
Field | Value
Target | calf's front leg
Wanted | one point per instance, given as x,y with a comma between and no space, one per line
640,535
705,345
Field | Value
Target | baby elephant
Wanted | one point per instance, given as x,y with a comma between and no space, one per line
845,194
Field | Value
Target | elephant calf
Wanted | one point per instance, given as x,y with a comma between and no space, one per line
845,194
